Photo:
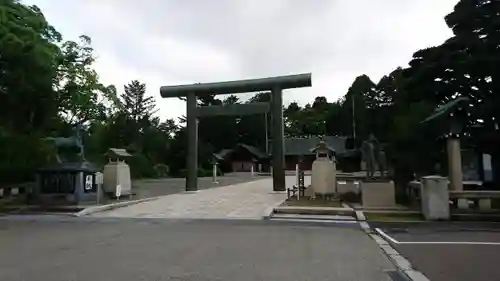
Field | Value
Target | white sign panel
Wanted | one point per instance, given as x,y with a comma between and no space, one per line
99,178
118,191
88,182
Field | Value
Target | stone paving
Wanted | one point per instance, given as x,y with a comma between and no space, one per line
248,200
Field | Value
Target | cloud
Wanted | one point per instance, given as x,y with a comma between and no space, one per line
164,42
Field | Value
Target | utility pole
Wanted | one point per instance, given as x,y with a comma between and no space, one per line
353,119
267,138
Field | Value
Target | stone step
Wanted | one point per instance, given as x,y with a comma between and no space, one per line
315,211
345,222
476,217
313,217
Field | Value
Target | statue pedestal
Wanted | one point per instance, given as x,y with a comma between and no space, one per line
347,187
117,173
378,193
66,183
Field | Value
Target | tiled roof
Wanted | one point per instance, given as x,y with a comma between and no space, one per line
221,155
254,150
446,108
293,146
304,146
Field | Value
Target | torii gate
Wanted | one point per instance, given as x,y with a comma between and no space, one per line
274,84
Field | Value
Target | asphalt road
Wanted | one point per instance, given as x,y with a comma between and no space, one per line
158,187
53,249
449,251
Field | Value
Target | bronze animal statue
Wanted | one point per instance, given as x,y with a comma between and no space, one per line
73,143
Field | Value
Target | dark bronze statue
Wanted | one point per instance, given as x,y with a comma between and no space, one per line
72,143
373,154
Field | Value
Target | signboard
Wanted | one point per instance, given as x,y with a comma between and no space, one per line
99,178
118,191
89,182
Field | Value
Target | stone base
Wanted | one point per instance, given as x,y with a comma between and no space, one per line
346,187
484,204
66,183
190,191
378,194
463,203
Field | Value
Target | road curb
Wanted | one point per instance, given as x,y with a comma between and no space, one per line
401,263
268,213
98,209
360,216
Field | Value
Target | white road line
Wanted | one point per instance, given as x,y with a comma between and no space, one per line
383,234
387,237
449,243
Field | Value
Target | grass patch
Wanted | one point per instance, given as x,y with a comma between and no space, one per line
308,202
9,201
388,217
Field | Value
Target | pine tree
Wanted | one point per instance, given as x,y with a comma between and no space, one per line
135,103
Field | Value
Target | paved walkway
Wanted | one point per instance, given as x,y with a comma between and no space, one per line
248,200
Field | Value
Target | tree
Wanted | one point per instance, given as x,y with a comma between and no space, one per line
136,104
28,53
355,108
82,98
28,103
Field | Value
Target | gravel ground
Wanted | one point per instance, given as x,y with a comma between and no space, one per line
157,187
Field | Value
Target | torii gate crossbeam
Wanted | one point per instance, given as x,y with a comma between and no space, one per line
274,84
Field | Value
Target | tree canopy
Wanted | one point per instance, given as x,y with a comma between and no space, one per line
48,84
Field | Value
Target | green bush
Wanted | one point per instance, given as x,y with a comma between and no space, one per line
21,156
141,167
162,170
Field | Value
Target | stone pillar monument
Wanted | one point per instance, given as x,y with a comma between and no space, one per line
214,172
454,163
434,198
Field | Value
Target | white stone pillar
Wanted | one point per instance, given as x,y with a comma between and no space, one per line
454,163
297,174
435,198
334,175
214,173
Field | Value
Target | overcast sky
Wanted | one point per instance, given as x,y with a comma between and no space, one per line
168,42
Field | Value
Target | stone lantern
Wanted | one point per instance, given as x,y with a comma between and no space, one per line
323,179
117,173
